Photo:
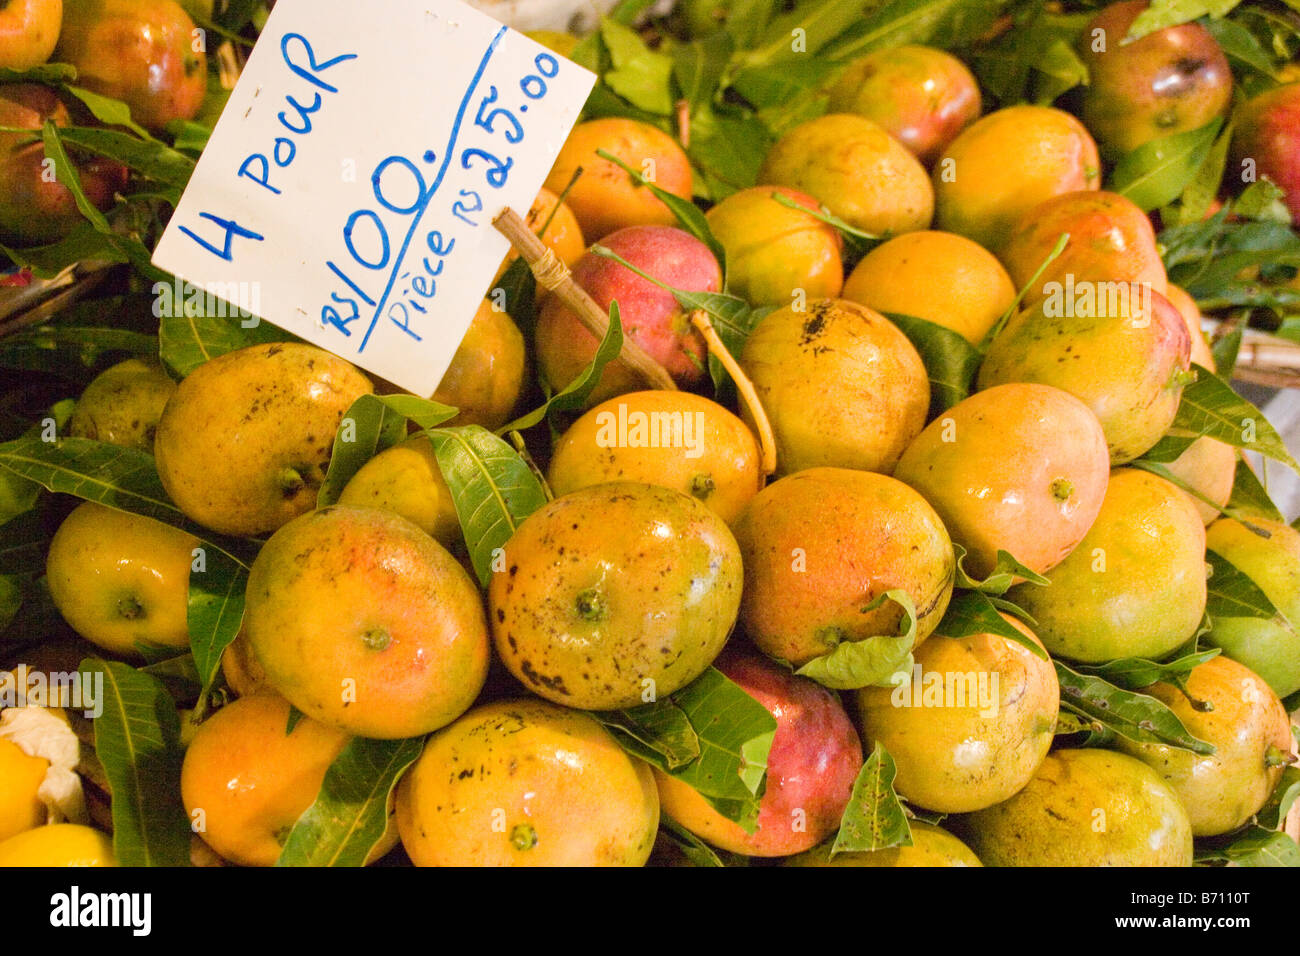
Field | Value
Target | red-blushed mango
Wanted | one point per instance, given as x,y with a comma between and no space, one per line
941,277
821,545
1019,468
407,481
1268,136
675,439
1271,559
1111,240
651,316
487,372
142,52
247,778
971,723
840,383
931,846
605,198
245,441
614,595
526,783
1085,808
1123,352
29,29
1005,164
921,96
121,580
857,171
815,757
775,253
1170,81
555,224
1135,586
1251,735
364,622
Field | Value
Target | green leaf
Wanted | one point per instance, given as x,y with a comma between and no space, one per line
215,612
1090,733
1226,349
48,73
696,851
640,75
820,22
575,394
1171,13
1230,593
1249,497
65,170
916,21
871,661
1210,407
1134,716
137,740
350,814
179,675
518,291
973,612
780,84
1204,186
66,350
1283,798
688,214
699,66
83,243
149,158
659,733
1135,673
1155,173
1060,70
1255,847
1241,46
1006,570
188,340
109,111
492,487
728,151
24,539
874,818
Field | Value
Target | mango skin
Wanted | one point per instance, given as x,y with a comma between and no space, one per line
773,251
365,623
1135,586
1005,164
407,480
1268,133
526,783
1111,240
931,846
1223,790
1085,808
822,544
955,759
123,405
841,384
1169,81
1018,468
815,758
120,579
921,96
29,30
60,844
725,475
1210,467
562,235
1126,362
612,586
138,51
244,443
856,170
487,372
1270,649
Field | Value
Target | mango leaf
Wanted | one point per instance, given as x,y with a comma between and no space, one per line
575,394
872,661
149,158
1171,13
1255,846
189,337
1241,46
350,813
1157,172
215,610
373,424
1205,185
659,733
695,850
83,243
1034,60
24,540
1134,716
109,111
1283,798
1060,70
1006,571
50,73
728,151
517,292
699,65
874,818
65,170
972,612
1230,593
36,618
1210,407
1086,731
188,135
916,21
688,214
179,675
639,75
70,351
1226,348
137,740
818,24
777,85
492,486
1134,673
1249,497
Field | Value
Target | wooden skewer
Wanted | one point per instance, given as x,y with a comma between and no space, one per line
553,275
748,394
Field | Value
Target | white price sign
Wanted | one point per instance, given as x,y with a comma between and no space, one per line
352,180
